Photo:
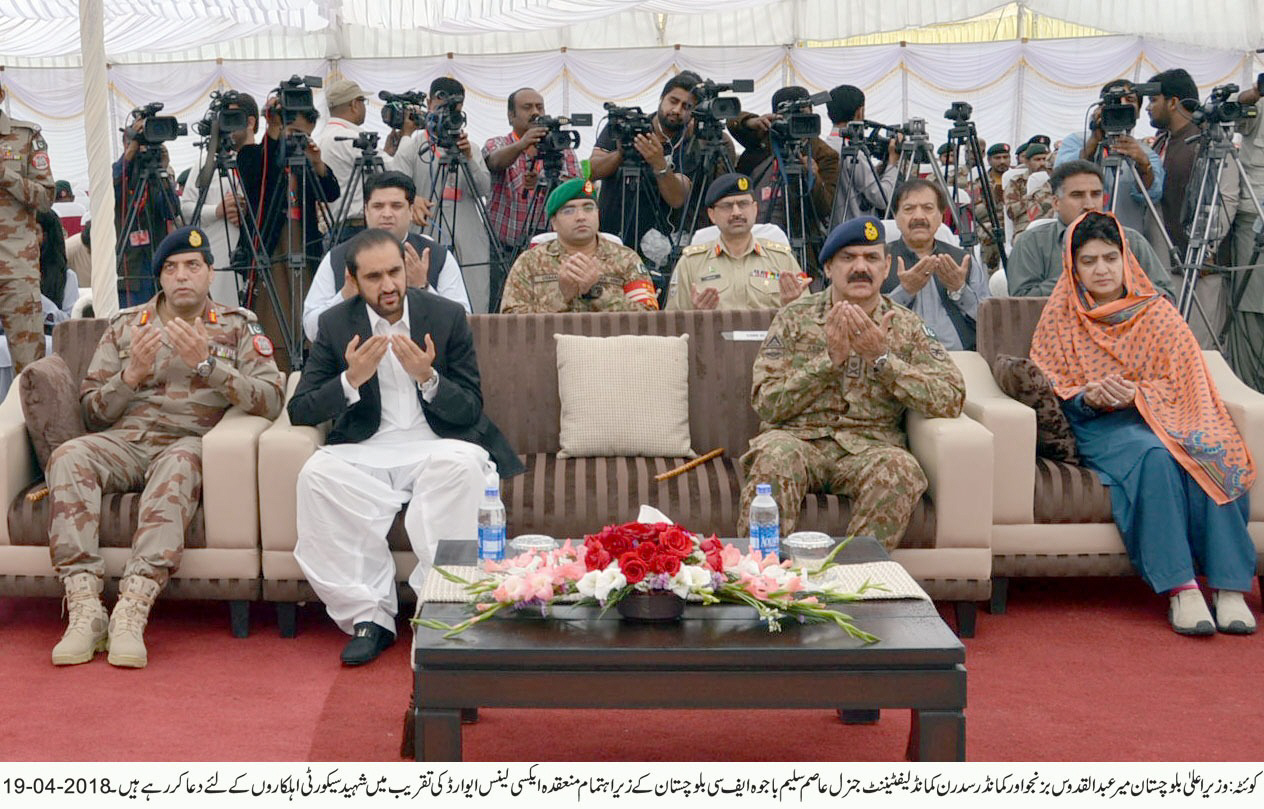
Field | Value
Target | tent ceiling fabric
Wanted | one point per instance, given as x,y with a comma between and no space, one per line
193,30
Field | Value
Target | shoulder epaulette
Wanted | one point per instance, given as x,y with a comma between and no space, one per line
768,244
695,249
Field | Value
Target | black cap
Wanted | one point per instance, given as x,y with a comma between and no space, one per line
861,230
728,185
185,240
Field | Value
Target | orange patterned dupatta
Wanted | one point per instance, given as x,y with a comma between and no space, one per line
1142,337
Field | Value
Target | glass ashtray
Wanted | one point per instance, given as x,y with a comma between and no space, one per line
807,549
539,543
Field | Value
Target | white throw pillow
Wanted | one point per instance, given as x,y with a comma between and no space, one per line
624,395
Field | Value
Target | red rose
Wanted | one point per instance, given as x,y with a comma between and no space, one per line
711,544
647,550
715,561
597,558
676,542
617,545
666,563
633,567
639,532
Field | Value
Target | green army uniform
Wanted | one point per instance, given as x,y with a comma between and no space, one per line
622,286
748,281
152,437
26,185
839,429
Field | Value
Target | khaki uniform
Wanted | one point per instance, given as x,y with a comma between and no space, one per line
622,286
748,281
1023,209
987,239
26,184
839,429
152,437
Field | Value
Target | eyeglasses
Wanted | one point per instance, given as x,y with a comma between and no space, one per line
735,205
571,210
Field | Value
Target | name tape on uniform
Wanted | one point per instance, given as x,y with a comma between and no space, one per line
745,336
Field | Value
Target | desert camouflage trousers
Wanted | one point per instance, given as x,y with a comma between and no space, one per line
82,469
22,316
883,483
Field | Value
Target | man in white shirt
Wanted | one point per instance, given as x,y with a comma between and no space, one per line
428,264
347,112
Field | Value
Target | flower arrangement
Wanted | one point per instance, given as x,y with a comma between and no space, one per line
623,561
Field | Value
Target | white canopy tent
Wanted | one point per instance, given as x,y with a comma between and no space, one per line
77,68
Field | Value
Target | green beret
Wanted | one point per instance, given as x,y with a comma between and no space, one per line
1034,149
574,188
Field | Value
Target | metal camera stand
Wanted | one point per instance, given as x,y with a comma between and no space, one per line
632,175
713,152
915,149
154,191
792,195
366,164
852,153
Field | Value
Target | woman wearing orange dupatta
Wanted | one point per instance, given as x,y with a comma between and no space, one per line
1147,418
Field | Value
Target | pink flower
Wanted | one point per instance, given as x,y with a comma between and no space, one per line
538,584
730,556
494,567
572,571
792,584
810,600
756,587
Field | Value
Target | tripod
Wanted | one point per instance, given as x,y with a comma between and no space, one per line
849,197
150,210
964,135
915,149
368,163
221,161
632,176
712,152
792,190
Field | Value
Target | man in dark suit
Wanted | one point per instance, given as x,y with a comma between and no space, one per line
394,368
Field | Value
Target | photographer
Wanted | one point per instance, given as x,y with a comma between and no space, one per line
222,206
764,140
157,209
456,212
669,152
1249,323
515,167
860,188
1130,208
347,111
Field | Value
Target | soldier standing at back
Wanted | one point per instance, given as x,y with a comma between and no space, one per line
832,382
163,375
25,186
736,270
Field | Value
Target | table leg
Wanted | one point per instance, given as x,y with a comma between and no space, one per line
859,716
438,734
937,736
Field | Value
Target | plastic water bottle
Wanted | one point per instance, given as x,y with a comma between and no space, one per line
765,521
491,526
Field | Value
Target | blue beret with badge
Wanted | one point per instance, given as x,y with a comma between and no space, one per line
728,185
574,188
185,240
861,230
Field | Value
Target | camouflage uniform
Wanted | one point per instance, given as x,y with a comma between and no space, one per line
152,437
987,240
839,429
25,185
1024,208
748,281
623,285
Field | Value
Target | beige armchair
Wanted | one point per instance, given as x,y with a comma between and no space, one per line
1051,518
221,556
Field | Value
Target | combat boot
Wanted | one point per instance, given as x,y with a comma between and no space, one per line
127,622
86,634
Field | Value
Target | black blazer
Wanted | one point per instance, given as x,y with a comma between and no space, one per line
457,408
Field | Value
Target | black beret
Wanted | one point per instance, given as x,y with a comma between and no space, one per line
728,185
185,240
861,230
944,149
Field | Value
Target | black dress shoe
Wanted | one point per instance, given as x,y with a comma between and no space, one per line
367,642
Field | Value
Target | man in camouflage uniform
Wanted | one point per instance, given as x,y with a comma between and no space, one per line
25,186
578,271
163,375
1022,208
998,162
737,270
832,382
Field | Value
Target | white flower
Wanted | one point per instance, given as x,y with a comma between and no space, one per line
689,578
599,584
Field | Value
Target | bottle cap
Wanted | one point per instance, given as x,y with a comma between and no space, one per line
763,488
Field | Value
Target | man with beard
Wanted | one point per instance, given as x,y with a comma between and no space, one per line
737,270
832,382
395,370
671,157
579,271
933,278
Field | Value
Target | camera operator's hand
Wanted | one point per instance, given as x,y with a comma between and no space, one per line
313,157
915,277
145,342
532,136
760,123
133,145
411,115
463,143
951,274
272,113
651,148
705,297
791,286
416,268
893,150
1130,146
577,275
190,342
229,209
362,359
422,209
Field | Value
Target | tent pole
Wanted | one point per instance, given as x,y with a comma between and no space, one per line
97,136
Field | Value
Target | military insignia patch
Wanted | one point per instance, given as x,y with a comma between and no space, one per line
39,161
588,187
195,239
773,347
743,184
254,328
929,332
871,232
263,346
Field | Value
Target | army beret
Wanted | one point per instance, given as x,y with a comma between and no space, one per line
998,148
728,185
861,230
1040,139
574,188
943,150
1034,149
185,240
62,185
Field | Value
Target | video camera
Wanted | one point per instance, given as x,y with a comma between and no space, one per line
365,141
711,106
1218,109
402,106
959,112
156,129
879,144
558,139
294,97
626,123
444,121
791,124
225,109
1117,116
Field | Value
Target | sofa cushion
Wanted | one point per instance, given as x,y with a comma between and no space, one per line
626,395
29,519
1022,379
1066,493
50,404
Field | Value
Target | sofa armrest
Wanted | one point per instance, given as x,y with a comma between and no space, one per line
1246,408
956,455
1013,427
230,490
283,449
17,460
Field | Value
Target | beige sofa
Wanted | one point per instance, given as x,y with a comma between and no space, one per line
1051,518
945,548
221,557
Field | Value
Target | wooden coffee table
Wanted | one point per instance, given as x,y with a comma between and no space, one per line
715,657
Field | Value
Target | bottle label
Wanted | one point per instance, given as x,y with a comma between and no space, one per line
491,542
765,538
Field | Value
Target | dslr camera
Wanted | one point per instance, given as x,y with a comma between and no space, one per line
400,107
1218,109
712,106
225,110
559,140
626,123
156,129
1118,116
792,124
294,97
445,122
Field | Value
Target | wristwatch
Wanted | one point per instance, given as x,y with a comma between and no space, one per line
955,294
665,170
205,367
428,387
881,363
